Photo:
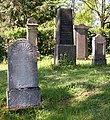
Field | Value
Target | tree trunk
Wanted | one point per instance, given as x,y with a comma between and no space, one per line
102,24
103,14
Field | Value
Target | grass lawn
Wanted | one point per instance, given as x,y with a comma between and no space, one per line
69,92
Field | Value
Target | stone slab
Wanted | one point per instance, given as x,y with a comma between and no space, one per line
64,26
22,65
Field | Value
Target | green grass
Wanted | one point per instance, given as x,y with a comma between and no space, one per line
69,92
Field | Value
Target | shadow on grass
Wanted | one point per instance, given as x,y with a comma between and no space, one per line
51,95
95,107
59,104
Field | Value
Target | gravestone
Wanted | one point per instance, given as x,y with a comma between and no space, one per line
22,90
32,31
99,50
80,41
32,34
64,35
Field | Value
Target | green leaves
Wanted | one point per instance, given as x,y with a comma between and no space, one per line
101,8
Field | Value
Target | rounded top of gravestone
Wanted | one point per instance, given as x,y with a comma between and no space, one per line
81,26
18,41
99,38
32,21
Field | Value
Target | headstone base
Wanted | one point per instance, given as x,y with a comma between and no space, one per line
61,50
99,61
21,98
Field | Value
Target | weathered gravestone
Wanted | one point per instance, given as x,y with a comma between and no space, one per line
64,35
32,31
80,41
99,50
22,90
32,34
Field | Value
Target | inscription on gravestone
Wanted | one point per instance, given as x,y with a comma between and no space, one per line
23,90
99,48
64,26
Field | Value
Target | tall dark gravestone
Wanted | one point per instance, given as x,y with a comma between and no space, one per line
64,35
22,90
99,50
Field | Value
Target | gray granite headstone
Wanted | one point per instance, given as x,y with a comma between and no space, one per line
99,50
80,41
64,35
22,90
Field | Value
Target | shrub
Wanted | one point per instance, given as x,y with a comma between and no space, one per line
8,37
91,34
46,34
45,38
15,33
105,33
3,53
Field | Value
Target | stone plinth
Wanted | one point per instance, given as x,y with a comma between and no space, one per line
80,40
62,50
99,50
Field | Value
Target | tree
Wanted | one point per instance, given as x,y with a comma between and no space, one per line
16,12
83,14
101,8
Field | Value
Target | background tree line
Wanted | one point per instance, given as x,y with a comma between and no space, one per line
14,14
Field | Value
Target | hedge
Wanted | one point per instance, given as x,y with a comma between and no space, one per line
45,39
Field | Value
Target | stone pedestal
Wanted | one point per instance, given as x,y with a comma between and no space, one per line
99,61
62,50
80,40
25,97
99,50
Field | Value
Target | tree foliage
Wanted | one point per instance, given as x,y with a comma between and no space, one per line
16,12
101,8
83,15
3,53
